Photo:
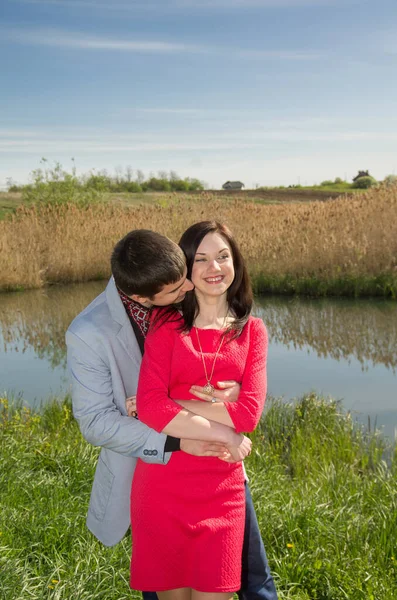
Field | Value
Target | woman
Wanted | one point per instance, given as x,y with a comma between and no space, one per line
192,511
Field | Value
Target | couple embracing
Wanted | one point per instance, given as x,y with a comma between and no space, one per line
174,328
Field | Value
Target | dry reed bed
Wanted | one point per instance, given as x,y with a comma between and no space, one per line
347,237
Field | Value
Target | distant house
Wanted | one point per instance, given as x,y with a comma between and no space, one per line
233,185
361,174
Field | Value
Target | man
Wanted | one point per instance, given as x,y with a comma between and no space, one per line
105,344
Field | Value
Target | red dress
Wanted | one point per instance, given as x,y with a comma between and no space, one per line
188,516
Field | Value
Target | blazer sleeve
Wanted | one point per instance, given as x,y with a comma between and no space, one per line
154,406
247,410
99,419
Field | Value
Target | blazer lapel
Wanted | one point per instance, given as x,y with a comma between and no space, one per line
126,334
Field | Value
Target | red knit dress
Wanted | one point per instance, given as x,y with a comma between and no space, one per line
188,516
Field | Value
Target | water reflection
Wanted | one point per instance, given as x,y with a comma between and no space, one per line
365,330
38,319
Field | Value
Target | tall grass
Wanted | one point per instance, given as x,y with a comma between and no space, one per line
347,245
326,502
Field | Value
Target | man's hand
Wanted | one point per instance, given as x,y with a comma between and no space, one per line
130,405
227,391
237,452
200,448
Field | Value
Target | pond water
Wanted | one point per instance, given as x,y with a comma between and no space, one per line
346,349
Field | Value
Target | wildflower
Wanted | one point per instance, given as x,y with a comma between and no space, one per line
51,587
54,580
290,545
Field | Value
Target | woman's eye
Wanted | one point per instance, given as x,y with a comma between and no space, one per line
224,256
199,260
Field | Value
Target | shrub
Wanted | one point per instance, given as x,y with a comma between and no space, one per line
364,182
389,180
326,182
158,185
54,185
179,185
100,182
132,187
194,184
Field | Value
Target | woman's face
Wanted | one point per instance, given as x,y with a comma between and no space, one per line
213,270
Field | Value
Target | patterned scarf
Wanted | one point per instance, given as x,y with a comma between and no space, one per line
140,314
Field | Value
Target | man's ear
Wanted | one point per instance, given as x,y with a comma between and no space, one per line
141,299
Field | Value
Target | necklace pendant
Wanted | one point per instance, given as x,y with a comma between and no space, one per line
208,388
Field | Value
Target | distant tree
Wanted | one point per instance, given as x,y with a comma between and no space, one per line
326,182
173,176
129,173
338,180
12,185
361,174
179,185
118,174
100,182
195,185
140,177
132,187
158,185
364,182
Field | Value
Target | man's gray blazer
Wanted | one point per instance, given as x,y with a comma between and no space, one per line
103,361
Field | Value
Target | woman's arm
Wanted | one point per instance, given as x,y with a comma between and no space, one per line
157,409
244,414
216,411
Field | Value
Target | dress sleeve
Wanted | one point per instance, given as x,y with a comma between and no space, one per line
246,411
154,406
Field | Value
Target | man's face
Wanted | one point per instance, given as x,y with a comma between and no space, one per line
172,293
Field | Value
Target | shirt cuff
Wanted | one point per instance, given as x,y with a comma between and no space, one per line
172,444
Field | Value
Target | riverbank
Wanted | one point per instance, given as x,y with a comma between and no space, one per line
324,497
346,246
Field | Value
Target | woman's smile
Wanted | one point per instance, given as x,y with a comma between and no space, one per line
213,265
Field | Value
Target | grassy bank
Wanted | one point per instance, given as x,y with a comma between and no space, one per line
11,201
345,246
325,499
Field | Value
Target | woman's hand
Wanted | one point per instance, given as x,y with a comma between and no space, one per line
130,405
238,449
227,391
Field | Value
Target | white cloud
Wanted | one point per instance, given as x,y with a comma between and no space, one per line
58,38
219,138
167,5
62,39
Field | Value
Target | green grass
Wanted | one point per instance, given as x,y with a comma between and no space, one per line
343,188
325,498
9,202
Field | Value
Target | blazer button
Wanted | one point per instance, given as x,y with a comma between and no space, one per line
155,452
145,452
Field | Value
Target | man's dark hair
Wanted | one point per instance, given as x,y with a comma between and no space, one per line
144,261
239,294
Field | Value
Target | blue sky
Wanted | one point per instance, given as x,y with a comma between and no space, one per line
265,91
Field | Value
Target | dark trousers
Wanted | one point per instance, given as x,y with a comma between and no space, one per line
256,580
